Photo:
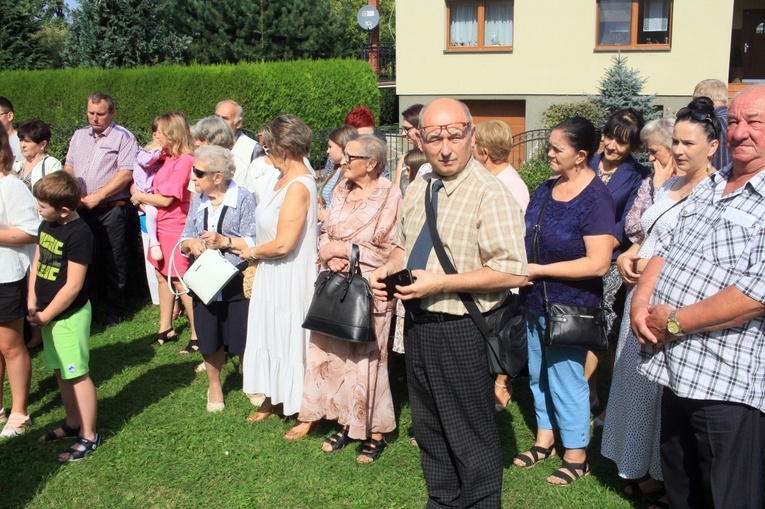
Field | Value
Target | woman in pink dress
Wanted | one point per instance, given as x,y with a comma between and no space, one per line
344,381
171,196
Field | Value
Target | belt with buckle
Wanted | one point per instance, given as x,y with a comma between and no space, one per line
420,316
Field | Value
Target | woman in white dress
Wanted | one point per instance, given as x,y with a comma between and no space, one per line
632,426
274,358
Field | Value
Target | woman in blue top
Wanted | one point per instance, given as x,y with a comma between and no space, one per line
575,245
623,177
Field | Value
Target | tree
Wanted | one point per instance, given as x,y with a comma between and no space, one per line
620,88
18,47
123,33
230,31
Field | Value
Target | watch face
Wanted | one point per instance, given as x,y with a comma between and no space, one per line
673,327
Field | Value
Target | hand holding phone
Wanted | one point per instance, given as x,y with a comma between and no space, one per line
401,278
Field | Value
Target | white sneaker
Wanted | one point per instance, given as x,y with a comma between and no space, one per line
16,425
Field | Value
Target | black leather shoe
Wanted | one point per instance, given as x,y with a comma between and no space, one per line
110,320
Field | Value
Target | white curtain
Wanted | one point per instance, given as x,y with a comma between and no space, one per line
498,24
463,26
656,16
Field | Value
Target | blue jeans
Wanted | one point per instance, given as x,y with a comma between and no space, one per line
561,394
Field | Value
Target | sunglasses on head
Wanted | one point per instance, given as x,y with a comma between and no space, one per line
698,116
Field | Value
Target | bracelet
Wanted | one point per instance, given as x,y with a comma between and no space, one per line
229,243
500,385
252,256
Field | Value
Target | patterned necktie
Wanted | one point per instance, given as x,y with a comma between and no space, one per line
418,258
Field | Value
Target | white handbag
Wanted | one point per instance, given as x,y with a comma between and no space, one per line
207,276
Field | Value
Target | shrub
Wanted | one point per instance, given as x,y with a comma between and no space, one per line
535,171
320,92
557,113
388,107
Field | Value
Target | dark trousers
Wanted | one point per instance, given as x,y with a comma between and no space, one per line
711,453
107,274
452,400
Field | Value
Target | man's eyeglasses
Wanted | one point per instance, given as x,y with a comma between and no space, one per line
200,173
456,132
699,116
348,157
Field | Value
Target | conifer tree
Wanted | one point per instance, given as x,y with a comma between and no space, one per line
18,47
621,87
122,33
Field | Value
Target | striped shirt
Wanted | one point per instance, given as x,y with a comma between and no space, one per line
719,242
98,158
480,225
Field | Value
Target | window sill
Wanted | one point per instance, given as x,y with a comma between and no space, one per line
634,49
474,49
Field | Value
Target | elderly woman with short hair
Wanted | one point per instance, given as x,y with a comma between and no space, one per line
221,216
212,130
348,382
657,137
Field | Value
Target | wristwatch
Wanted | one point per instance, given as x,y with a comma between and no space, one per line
673,326
229,243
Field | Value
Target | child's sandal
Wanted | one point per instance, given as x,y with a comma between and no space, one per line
68,432
77,454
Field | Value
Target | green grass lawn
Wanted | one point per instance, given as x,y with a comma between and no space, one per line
160,448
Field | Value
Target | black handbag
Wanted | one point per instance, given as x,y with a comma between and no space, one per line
503,327
342,304
567,325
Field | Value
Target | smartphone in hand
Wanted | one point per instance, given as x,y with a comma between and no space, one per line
401,278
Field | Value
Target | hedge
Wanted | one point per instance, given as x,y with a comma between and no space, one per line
320,92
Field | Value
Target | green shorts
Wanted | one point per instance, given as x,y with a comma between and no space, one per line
66,344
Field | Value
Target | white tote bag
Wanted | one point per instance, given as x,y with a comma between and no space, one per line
207,276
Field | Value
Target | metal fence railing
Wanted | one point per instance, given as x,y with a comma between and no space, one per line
529,145
387,58
398,145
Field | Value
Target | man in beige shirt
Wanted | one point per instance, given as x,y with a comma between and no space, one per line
450,388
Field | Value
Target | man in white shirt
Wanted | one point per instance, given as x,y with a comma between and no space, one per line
245,148
6,119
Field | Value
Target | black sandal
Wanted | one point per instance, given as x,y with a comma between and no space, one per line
165,337
78,454
569,472
370,450
338,440
534,456
191,347
68,432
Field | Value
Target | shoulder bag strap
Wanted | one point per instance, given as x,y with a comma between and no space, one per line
449,268
220,221
678,202
535,240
